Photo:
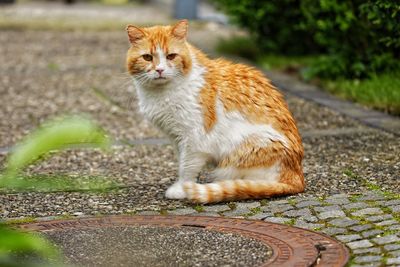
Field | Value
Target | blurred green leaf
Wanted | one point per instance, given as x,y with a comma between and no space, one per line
24,249
58,134
54,183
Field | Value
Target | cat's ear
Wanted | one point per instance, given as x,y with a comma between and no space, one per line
134,33
180,29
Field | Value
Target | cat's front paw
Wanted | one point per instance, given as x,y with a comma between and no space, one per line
175,191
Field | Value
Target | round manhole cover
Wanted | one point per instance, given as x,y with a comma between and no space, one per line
188,241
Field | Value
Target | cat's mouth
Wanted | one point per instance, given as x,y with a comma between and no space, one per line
160,80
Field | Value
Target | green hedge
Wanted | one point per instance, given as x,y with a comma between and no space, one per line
356,37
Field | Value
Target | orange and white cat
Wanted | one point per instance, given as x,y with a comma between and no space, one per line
214,110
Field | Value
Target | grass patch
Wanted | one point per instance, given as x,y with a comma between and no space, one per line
253,211
20,220
373,187
263,202
285,63
380,91
291,222
232,205
163,212
198,208
354,197
391,195
239,46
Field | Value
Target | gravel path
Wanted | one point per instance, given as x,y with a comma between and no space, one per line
352,171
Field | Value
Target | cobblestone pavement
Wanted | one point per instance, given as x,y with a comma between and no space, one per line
352,171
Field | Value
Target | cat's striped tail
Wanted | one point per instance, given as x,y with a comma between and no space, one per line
237,190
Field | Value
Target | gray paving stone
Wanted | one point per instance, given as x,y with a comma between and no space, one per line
372,196
310,219
386,203
279,202
247,205
306,225
307,198
367,251
395,253
386,239
277,219
216,208
386,223
335,196
372,264
343,222
360,228
394,227
348,238
360,244
260,216
185,211
308,203
379,218
327,208
333,231
298,213
392,247
331,214
393,202
393,261
338,201
371,233
236,212
367,211
395,208
149,212
356,205
277,208
367,259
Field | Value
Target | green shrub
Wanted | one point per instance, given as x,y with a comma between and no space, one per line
274,24
239,46
357,38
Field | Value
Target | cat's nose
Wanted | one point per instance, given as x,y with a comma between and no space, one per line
159,71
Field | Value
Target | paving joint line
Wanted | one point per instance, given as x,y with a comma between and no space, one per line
154,141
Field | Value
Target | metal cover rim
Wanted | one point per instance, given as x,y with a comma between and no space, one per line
291,246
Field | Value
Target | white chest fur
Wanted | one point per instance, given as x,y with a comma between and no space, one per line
177,112
175,109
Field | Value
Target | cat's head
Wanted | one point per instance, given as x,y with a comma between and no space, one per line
158,55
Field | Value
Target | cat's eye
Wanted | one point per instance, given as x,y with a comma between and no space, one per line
171,56
147,57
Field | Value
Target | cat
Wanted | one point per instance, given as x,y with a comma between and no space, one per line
215,111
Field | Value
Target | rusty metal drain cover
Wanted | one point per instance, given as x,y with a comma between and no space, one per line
188,241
